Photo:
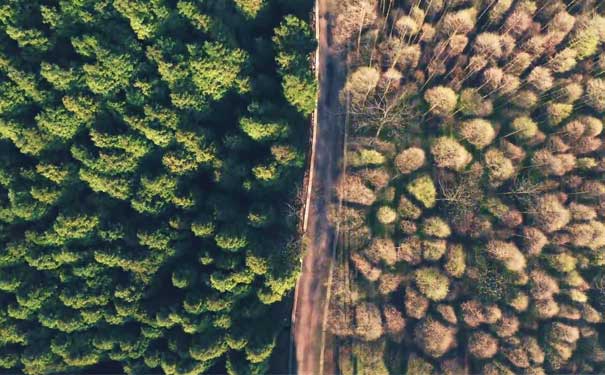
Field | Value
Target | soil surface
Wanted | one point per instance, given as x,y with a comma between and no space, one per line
314,352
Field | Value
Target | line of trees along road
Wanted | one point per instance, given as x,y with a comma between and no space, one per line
149,158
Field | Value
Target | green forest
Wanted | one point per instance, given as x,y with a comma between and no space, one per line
150,154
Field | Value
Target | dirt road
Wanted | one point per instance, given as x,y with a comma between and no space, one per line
314,355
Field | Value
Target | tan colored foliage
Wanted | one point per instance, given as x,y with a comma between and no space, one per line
542,285
416,305
448,153
410,250
478,132
482,345
410,160
432,283
441,100
595,94
365,267
434,338
507,326
381,250
549,214
368,321
394,322
475,313
352,189
508,254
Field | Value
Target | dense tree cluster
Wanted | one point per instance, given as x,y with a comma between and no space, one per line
147,152
473,214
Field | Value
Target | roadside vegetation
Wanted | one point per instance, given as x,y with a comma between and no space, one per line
150,158
471,209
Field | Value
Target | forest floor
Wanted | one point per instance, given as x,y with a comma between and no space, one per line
314,353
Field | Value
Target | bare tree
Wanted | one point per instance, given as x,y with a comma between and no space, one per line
384,110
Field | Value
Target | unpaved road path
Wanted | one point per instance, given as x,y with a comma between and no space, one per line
310,304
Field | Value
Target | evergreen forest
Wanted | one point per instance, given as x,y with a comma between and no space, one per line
150,157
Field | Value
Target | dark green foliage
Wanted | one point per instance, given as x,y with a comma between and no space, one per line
294,43
144,149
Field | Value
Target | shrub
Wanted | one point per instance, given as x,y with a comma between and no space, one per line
423,189
410,160
477,132
441,100
434,338
448,153
436,227
432,283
